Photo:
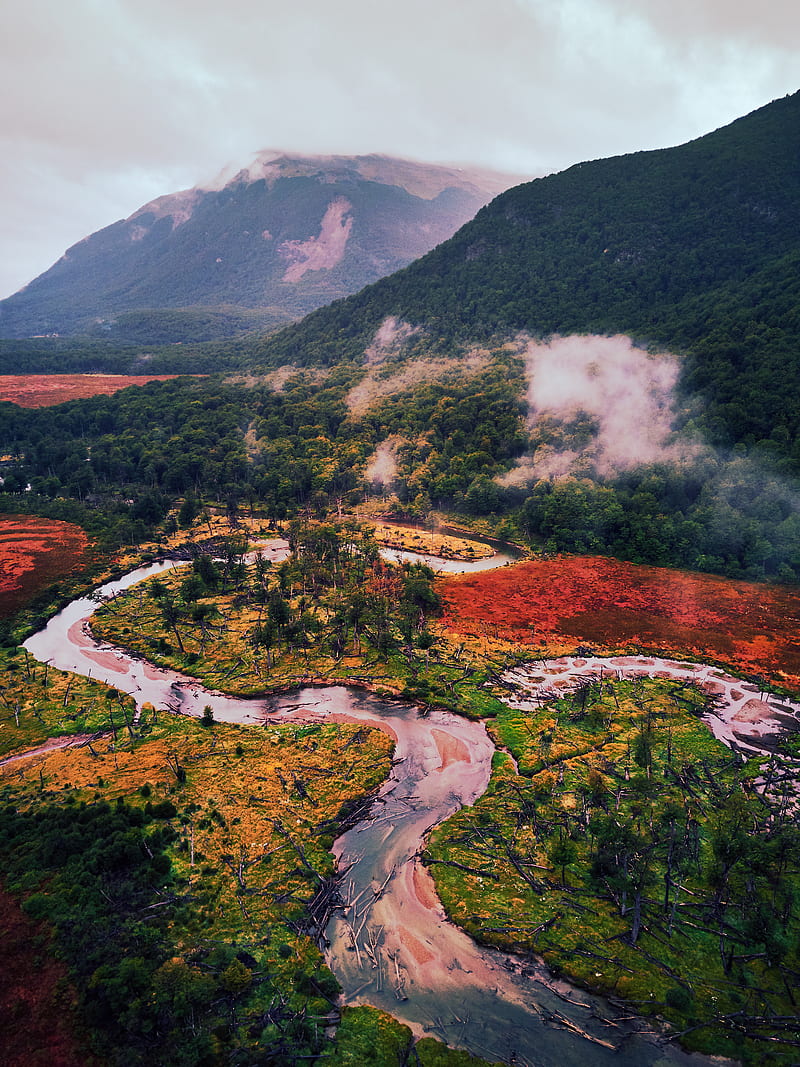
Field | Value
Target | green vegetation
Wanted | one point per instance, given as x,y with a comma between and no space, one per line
281,449
183,866
625,844
175,861
64,355
693,248
334,611
38,702
725,517
630,850
117,465
189,325
175,864
369,1038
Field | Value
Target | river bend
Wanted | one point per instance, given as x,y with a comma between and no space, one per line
391,945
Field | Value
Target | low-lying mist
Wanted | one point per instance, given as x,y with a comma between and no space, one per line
621,397
611,468
377,384
382,468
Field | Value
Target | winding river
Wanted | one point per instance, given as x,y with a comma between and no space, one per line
390,945
502,555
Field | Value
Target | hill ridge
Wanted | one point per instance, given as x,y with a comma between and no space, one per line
237,242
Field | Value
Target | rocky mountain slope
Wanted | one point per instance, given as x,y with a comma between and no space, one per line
283,236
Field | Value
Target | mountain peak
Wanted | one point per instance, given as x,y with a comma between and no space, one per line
256,248
424,180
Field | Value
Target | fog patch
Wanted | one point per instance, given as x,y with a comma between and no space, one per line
277,379
377,384
544,463
602,406
381,469
389,339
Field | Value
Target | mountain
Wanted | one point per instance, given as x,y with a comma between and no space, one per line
283,236
695,248
431,385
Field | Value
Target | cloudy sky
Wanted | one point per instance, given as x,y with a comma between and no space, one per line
108,103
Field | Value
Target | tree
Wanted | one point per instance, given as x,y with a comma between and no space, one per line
201,613
562,852
172,615
264,636
207,570
189,510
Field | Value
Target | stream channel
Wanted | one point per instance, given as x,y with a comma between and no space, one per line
390,945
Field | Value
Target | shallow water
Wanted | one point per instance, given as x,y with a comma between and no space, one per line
391,946
502,556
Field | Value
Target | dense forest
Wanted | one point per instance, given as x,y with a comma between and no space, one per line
691,248
104,355
117,463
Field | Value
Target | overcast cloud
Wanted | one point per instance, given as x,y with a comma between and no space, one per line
107,104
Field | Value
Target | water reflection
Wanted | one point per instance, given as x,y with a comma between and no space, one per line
392,946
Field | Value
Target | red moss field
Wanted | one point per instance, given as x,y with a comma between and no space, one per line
38,1024
610,605
34,552
45,390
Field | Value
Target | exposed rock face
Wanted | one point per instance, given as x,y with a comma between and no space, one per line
283,236
325,250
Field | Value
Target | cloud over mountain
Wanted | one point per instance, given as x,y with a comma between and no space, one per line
282,236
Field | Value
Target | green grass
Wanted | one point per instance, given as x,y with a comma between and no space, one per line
246,819
568,859
38,702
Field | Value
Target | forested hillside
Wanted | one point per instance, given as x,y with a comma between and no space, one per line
694,248
427,387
